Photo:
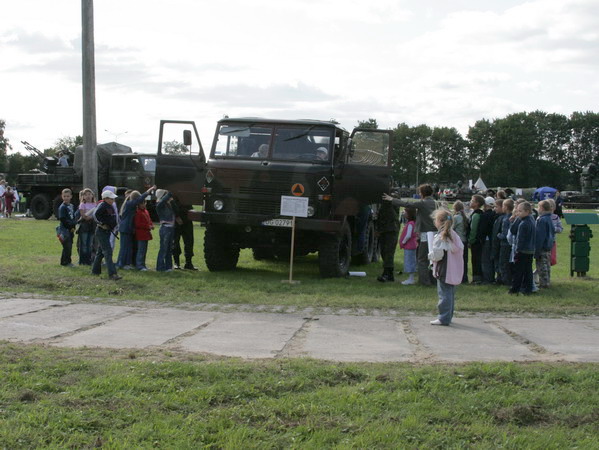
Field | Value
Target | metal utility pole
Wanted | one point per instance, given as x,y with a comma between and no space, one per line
90,159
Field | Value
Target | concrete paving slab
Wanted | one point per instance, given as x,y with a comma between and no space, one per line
245,335
356,338
142,329
469,339
575,339
13,306
56,321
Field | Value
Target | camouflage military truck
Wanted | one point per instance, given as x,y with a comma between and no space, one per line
117,166
254,162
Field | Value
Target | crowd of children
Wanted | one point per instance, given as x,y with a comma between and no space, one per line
501,238
97,225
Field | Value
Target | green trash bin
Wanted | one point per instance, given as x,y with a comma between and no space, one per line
580,245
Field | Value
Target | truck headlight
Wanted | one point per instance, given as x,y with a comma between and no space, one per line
218,205
311,211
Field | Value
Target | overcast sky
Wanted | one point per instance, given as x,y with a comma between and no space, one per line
439,62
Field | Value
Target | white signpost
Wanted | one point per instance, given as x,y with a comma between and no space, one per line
294,207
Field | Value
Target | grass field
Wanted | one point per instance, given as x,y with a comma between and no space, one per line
56,398
81,398
30,263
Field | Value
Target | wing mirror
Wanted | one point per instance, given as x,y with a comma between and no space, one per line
187,137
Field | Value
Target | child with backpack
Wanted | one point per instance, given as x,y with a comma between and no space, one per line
143,234
106,223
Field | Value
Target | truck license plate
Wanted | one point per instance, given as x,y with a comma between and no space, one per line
277,223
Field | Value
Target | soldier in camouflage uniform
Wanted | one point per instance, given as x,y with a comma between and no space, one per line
387,227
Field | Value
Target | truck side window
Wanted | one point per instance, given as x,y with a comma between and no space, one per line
132,165
370,149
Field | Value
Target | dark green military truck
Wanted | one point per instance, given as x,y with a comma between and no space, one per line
117,166
254,162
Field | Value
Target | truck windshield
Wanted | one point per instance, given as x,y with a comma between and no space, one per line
243,141
276,143
308,144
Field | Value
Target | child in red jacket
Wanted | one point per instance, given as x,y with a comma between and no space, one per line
143,234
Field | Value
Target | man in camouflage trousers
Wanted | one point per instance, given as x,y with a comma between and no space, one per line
387,227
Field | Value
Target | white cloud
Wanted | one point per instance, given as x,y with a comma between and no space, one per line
396,61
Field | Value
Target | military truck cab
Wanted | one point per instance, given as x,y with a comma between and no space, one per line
255,161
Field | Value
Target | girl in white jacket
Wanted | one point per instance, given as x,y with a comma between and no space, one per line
448,264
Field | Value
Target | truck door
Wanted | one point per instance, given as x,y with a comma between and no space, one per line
363,171
181,163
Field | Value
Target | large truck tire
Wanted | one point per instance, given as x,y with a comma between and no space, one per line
41,206
219,254
334,253
56,204
370,242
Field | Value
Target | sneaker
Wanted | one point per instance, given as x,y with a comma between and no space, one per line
438,322
143,269
116,277
177,267
408,282
168,270
128,267
68,265
190,267
512,292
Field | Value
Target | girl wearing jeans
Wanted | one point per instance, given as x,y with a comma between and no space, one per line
448,264
166,215
87,226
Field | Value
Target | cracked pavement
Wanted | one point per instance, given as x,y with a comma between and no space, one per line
275,332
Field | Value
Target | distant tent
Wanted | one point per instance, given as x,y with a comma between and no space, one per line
480,185
544,192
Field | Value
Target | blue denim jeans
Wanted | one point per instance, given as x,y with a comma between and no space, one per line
140,257
446,301
67,249
125,251
504,262
104,251
165,254
522,275
86,240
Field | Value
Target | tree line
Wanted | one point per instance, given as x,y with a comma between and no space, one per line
526,149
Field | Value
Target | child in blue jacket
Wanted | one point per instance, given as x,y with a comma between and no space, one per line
524,250
66,230
166,215
127,228
545,236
